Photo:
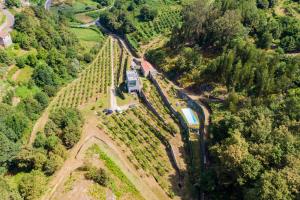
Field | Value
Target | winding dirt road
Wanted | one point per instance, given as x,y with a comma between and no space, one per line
93,135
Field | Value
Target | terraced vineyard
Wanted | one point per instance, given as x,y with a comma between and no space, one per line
156,101
164,23
122,61
92,82
144,135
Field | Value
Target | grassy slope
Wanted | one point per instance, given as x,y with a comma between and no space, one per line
86,34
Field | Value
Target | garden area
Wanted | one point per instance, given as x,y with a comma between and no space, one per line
91,84
156,101
162,24
117,180
122,61
145,139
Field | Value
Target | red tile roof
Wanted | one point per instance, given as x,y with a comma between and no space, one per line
147,67
3,34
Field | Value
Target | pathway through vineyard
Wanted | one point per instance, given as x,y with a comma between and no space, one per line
88,137
91,134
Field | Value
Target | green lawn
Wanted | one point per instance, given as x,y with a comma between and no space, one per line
83,18
11,72
119,183
24,92
24,75
87,34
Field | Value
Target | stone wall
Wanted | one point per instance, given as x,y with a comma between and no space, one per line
174,112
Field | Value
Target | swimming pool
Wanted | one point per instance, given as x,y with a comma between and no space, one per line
190,116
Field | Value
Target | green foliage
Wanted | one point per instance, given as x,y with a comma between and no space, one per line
40,140
65,123
252,156
6,192
13,3
71,135
147,14
117,21
32,185
53,163
20,62
42,98
4,57
31,107
99,176
8,97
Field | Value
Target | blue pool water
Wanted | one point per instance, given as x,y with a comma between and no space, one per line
190,116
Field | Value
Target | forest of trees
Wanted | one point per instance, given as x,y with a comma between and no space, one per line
55,62
254,143
119,18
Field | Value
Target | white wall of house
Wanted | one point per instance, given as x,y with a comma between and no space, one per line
5,40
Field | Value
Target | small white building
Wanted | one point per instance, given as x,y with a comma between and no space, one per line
132,81
5,39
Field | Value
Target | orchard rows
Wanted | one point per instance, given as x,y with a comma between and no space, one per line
156,101
140,131
166,20
92,82
122,61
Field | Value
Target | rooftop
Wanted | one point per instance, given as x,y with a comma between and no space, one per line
146,66
132,75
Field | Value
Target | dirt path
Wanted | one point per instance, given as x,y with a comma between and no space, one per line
15,75
93,135
113,100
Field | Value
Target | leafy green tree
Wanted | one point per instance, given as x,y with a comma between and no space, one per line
288,43
4,58
71,135
293,103
147,14
100,176
13,3
8,150
251,168
226,28
263,4
266,40
6,192
42,98
44,75
52,164
40,140
31,107
273,185
32,185
40,159
87,57
51,142
8,97
21,62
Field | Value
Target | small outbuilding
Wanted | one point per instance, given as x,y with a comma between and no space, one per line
132,81
5,39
